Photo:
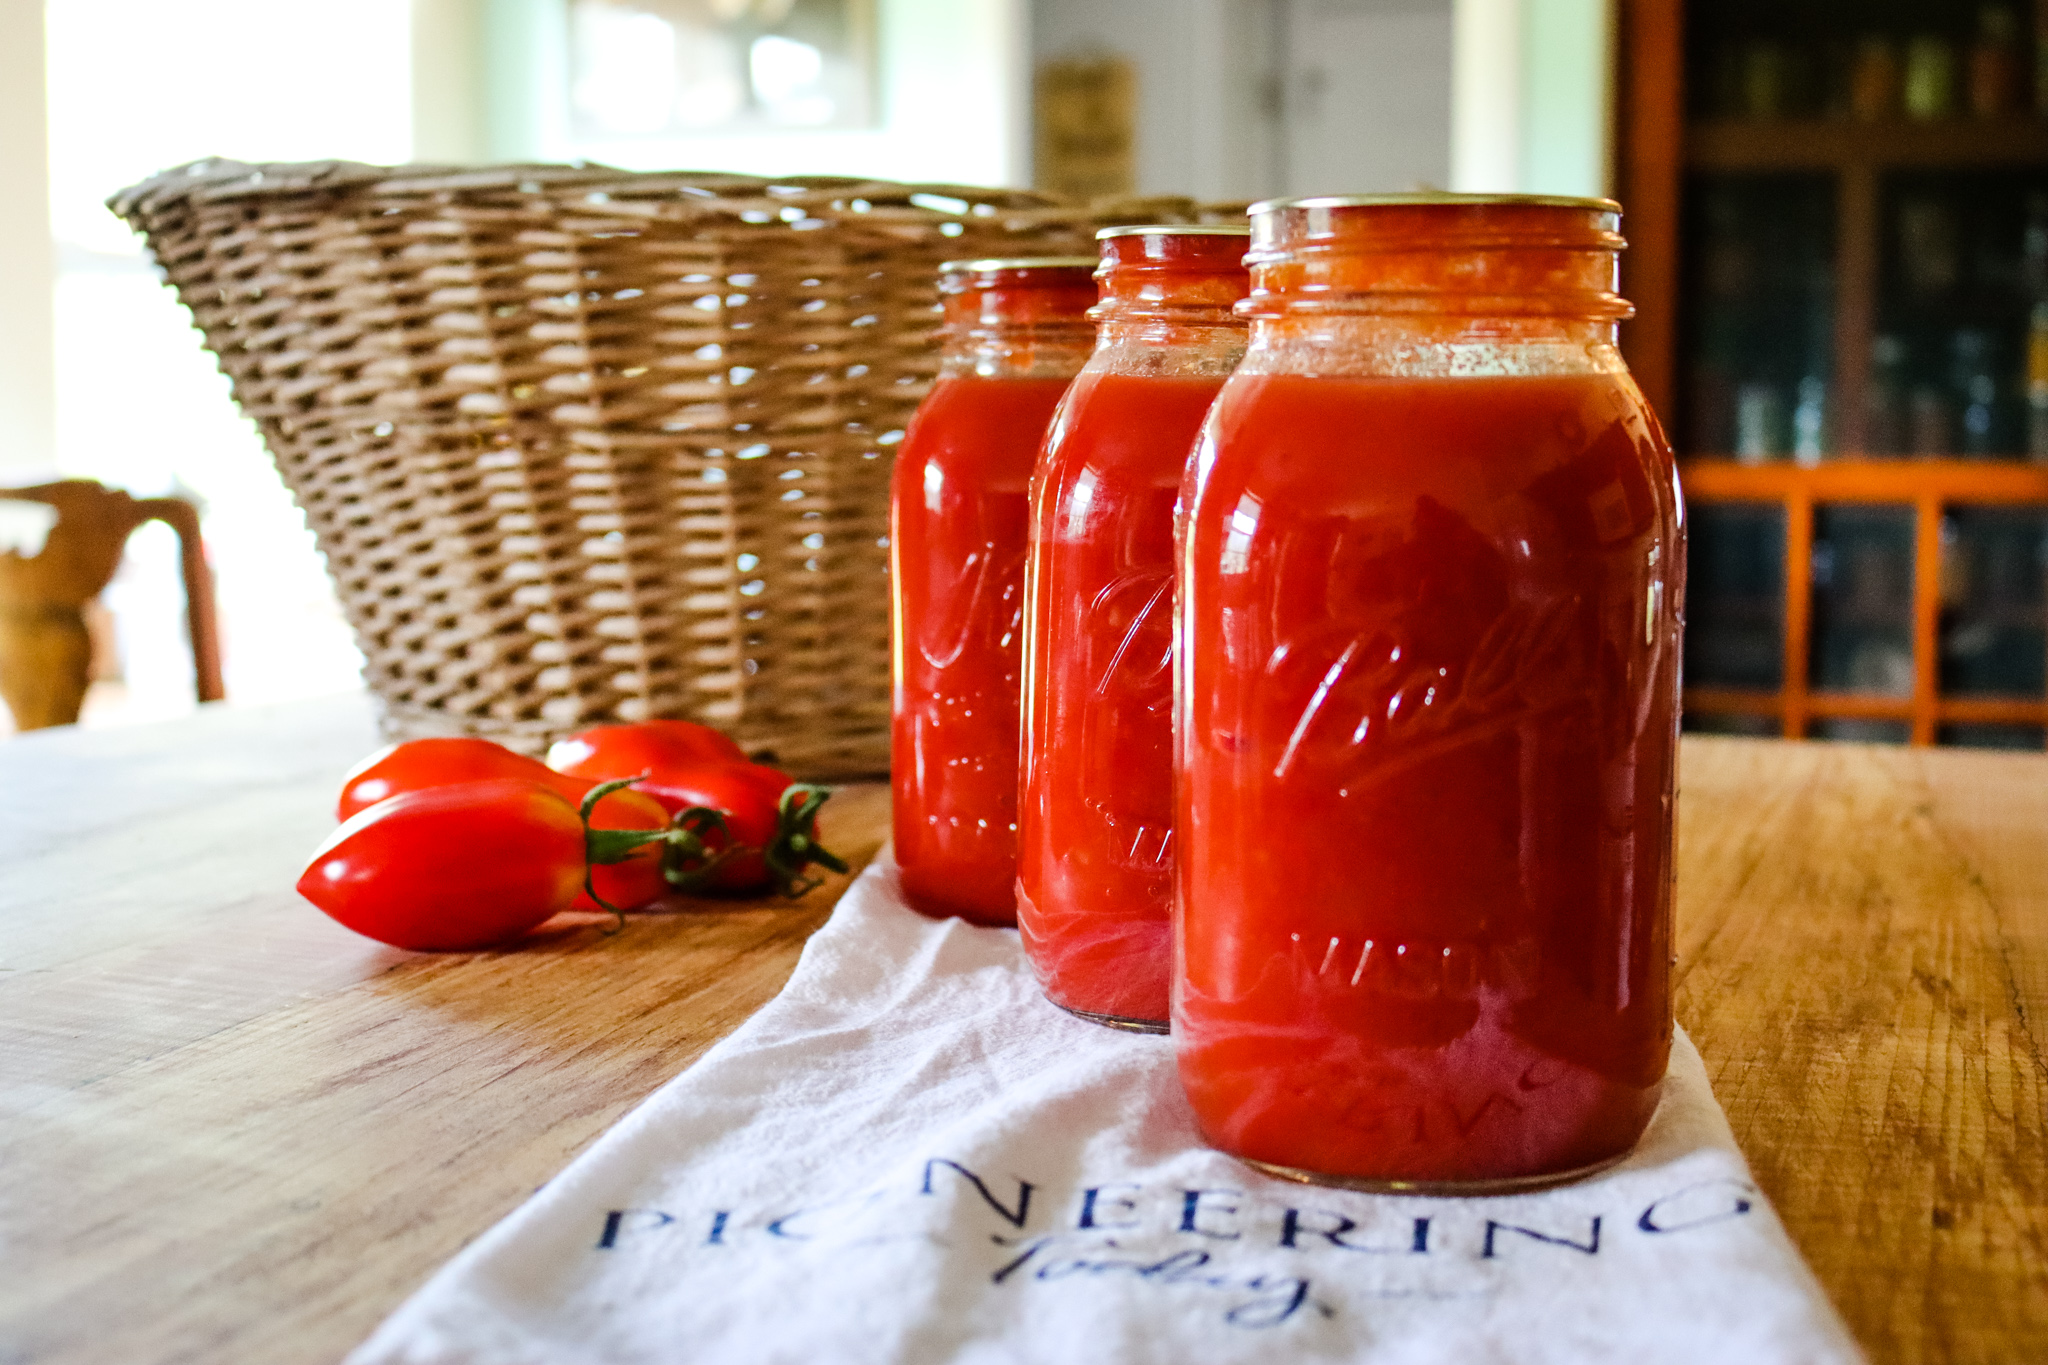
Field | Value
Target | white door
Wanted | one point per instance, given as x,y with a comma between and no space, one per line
1365,88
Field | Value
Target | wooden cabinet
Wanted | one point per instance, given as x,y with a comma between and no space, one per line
1838,218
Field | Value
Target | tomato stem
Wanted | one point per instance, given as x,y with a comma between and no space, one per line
795,845
689,845
698,841
601,846
590,890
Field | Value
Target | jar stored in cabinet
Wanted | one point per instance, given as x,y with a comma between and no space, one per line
1015,334
1427,688
1095,823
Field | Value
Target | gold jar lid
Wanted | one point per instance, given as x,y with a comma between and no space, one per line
1018,263
1175,230
1446,197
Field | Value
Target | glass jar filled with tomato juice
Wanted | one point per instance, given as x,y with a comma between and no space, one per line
1015,334
1095,820
1427,702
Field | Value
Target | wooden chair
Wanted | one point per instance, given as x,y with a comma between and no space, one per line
45,649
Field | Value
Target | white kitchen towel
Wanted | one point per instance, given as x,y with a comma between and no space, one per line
909,1156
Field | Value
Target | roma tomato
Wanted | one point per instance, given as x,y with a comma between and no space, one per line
605,752
747,794
421,763
764,830
439,762
453,867
769,831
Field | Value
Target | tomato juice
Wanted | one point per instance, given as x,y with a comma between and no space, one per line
1100,840
1429,666
957,540
1095,820
1096,868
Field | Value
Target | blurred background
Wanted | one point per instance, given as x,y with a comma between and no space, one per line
1838,214
1846,329
102,376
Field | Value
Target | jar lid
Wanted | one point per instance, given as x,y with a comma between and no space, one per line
1348,201
1019,263
1175,230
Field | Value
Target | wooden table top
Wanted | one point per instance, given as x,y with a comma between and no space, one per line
231,1130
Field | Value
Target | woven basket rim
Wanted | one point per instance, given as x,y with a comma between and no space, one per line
216,179
637,193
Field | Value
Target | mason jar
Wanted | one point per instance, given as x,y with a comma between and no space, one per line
1015,334
1095,820
1427,704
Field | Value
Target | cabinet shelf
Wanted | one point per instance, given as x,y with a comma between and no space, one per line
1877,230
1863,480
1930,488
1834,145
1734,701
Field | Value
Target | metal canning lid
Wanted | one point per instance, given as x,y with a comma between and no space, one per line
1176,230
1020,263
1349,201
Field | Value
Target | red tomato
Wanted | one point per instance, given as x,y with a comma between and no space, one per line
451,868
749,795
437,762
422,763
429,763
769,821
605,752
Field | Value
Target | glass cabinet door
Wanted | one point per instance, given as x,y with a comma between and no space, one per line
1759,325
1964,259
1994,616
1862,641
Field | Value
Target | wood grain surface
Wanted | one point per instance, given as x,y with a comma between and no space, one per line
1863,960
232,1131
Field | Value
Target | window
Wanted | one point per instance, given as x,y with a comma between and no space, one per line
136,86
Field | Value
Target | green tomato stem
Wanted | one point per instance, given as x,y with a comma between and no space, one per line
795,845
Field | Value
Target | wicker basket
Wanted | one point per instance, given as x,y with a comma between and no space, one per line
583,445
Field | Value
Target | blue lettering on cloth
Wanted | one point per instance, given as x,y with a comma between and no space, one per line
1024,1188
1218,1241
1262,1300
1591,1246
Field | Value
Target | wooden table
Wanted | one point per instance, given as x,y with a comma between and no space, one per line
232,1131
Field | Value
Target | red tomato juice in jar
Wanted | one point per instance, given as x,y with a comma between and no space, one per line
1095,824
1015,334
1428,682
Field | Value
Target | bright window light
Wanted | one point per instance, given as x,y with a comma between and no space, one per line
137,86
626,80
785,76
